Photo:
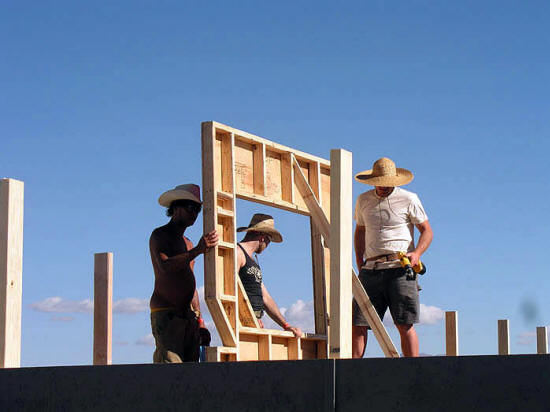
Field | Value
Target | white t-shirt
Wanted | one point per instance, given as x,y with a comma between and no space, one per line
389,221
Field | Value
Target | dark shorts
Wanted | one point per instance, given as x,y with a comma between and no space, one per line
176,336
389,288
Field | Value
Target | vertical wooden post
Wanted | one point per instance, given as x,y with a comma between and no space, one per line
340,253
542,340
11,271
503,337
103,308
451,333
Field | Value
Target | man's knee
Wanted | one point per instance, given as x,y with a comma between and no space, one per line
359,331
404,328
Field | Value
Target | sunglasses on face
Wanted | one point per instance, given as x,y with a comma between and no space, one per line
192,207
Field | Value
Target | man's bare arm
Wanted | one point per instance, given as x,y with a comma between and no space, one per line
426,236
274,313
359,243
182,260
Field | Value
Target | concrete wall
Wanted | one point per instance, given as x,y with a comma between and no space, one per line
480,383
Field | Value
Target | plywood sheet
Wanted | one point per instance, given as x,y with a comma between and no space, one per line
248,347
273,175
279,348
244,167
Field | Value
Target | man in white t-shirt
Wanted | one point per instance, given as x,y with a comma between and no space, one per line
386,217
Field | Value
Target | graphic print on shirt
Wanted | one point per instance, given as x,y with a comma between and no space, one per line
255,272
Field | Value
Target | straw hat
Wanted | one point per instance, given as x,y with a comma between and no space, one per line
385,174
181,192
263,224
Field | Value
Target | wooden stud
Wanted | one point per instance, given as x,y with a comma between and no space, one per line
311,201
451,333
11,271
259,169
542,340
212,288
503,337
264,347
287,178
319,283
103,308
222,322
294,349
340,254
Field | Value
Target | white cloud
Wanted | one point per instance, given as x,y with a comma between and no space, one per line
60,305
56,304
147,340
430,315
131,305
299,314
526,338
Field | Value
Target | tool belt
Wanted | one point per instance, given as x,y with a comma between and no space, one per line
383,258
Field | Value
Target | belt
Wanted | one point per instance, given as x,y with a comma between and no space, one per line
383,258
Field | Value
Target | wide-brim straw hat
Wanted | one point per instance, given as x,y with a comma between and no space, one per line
182,192
263,224
385,174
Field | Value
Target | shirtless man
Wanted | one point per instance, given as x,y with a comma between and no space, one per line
175,312
259,233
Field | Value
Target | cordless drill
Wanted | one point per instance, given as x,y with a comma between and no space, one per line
410,271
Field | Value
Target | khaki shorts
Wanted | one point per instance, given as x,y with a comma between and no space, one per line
176,336
389,288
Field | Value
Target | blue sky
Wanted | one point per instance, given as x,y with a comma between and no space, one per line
100,112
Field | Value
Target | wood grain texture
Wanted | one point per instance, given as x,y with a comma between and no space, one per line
503,337
451,333
103,308
11,271
542,340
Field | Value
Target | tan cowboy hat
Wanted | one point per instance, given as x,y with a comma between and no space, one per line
181,192
385,174
263,224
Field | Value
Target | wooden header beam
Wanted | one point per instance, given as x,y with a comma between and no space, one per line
11,271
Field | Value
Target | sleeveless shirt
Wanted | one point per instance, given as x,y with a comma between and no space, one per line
251,276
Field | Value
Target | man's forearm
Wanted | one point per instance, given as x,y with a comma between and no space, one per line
424,241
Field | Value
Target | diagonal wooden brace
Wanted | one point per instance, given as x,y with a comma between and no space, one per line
361,297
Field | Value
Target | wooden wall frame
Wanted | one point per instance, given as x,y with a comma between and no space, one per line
237,164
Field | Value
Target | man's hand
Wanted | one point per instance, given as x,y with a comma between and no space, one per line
208,240
414,257
297,331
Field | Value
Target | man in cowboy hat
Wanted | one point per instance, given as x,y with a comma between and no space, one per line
175,312
259,233
386,217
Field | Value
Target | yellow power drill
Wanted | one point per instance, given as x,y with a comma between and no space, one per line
411,272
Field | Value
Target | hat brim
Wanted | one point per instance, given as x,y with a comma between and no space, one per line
402,177
276,237
169,196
